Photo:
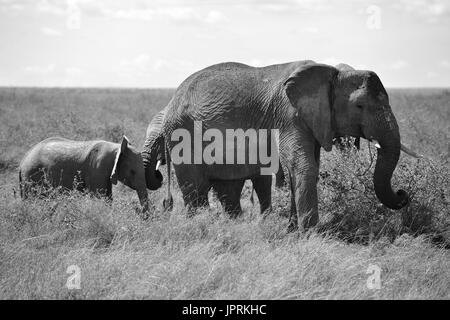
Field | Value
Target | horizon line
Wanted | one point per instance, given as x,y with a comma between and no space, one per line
172,88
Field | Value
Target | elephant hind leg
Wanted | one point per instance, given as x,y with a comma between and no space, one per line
34,184
194,185
229,194
293,219
280,180
194,196
263,188
25,190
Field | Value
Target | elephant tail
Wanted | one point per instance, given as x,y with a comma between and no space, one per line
252,198
168,202
168,161
20,185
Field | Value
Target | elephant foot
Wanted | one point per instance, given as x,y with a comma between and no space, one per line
142,213
145,215
234,214
192,211
265,214
168,204
310,221
292,227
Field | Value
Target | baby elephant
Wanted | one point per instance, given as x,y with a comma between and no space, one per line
83,165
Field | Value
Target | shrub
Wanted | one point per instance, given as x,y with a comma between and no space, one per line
353,212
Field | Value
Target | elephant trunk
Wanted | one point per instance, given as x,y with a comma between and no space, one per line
150,153
143,199
387,158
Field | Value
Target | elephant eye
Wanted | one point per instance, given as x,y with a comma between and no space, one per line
359,107
132,172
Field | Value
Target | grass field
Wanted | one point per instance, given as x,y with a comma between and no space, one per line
210,256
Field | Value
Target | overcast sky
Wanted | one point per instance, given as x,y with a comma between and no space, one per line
155,43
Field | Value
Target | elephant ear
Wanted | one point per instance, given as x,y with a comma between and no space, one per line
120,152
309,91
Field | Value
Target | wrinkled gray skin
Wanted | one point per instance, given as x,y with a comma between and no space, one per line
309,103
154,151
83,165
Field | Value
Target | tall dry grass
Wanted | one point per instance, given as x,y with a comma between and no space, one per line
210,256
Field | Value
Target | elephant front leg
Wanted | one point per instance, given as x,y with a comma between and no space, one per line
194,197
303,174
194,186
293,221
109,196
263,188
305,197
229,194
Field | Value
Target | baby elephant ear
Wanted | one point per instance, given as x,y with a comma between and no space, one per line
121,151
309,91
124,144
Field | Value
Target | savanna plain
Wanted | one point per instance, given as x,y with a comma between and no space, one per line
209,256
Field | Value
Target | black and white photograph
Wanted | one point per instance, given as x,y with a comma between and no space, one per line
252,151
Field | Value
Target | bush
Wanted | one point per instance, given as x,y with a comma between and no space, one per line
354,213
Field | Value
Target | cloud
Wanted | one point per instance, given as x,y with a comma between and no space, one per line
431,74
52,7
194,10
190,15
282,6
300,6
399,64
179,13
143,64
178,65
145,69
134,67
445,64
332,61
141,61
51,32
215,16
50,75
315,5
41,70
310,30
128,14
431,10
11,5
135,10
73,72
427,7
275,7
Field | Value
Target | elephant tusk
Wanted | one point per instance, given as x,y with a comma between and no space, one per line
410,152
158,164
376,144
402,147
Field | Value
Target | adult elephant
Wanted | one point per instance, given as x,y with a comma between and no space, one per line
155,154
309,103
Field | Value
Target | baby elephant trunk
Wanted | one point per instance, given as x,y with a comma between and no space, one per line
143,199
